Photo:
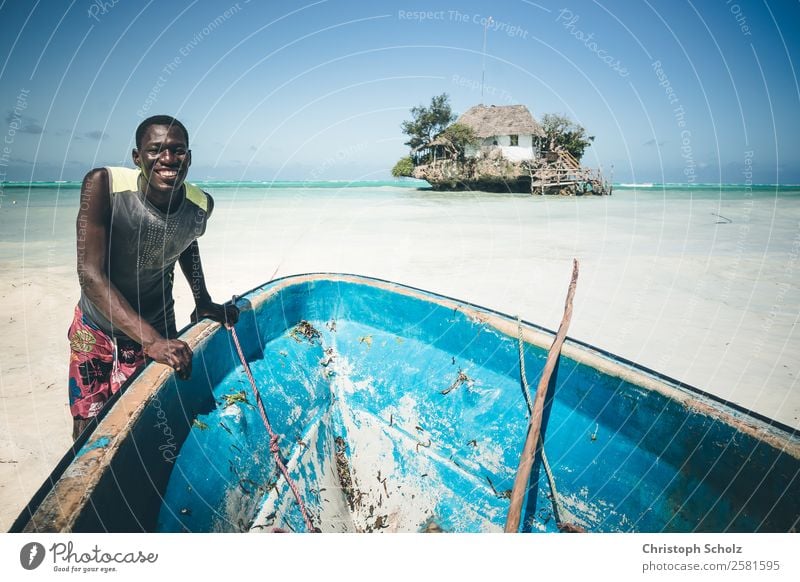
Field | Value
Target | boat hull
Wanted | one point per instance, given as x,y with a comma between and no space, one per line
401,410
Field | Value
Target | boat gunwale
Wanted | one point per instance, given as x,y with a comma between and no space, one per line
65,493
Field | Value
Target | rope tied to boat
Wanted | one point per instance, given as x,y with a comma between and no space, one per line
274,439
274,446
558,511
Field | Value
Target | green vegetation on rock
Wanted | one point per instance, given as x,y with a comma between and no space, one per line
428,122
562,132
403,168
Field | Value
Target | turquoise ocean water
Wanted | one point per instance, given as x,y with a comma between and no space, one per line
41,215
65,194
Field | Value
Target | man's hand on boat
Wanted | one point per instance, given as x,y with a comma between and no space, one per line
226,313
172,352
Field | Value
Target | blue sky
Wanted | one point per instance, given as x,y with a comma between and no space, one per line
674,91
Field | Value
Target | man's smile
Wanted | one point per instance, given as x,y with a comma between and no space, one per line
167,173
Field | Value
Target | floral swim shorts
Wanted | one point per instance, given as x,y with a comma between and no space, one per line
98,366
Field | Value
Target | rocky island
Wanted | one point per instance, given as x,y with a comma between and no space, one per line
498,148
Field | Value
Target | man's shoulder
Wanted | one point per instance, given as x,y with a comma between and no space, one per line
198,197
122,179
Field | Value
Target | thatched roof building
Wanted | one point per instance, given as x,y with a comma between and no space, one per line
509,129
495,120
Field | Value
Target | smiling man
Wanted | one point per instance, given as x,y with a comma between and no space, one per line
133,226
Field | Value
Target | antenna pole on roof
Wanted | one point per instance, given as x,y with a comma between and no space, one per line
483,70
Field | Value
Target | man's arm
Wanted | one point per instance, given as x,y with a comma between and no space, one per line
192,268
94,219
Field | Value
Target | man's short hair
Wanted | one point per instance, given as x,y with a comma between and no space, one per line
167,120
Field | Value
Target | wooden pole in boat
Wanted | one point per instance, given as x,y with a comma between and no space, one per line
535,424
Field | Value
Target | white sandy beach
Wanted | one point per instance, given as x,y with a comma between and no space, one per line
664,282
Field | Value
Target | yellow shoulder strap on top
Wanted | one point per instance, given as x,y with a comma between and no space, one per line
127,179
196,195
123,179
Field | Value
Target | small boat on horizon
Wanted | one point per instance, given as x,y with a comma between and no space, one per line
402,410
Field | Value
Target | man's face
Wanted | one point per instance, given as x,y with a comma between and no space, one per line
164,157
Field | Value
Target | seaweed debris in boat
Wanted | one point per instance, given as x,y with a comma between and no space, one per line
304,330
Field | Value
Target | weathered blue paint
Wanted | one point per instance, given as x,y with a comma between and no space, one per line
94,444
625,458
417,400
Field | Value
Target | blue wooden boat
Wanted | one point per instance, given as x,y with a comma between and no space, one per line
401,410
